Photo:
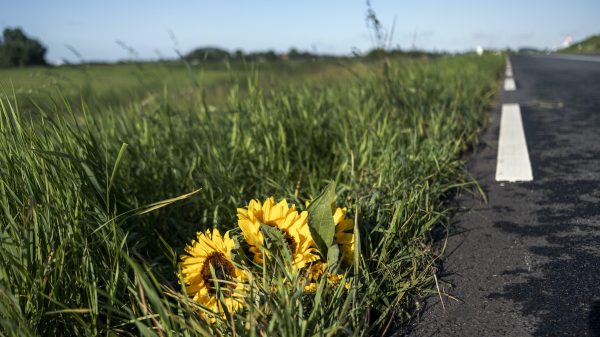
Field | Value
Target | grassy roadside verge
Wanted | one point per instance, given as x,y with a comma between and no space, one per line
391,138
590,45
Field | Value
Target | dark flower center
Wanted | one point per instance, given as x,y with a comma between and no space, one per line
223,271
290,241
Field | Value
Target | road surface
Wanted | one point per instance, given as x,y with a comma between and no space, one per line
528,262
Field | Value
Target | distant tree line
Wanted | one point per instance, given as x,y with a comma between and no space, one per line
215,54
18,50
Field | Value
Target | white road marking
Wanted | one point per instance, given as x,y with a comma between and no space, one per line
509,84
513,158
509,72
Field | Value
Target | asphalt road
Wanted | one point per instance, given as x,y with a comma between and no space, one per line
527,263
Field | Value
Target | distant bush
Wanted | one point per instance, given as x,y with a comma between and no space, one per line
208,54
379,53
18,50
215,54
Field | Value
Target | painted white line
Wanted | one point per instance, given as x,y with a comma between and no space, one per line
513,158
509,72
509,84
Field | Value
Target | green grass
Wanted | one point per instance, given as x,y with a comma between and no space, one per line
591,45
86,251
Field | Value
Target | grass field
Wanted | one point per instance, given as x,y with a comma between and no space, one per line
98,204
102,85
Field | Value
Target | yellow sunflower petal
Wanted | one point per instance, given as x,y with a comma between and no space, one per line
339,215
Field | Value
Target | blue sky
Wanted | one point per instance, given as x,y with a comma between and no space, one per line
334,26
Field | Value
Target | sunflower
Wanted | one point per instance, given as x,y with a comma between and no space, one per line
344,235
211,255
293,226
315,271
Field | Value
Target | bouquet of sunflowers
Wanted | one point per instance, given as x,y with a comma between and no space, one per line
305,245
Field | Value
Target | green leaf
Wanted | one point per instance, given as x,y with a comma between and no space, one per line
333,257
277,253
275,242
320,219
